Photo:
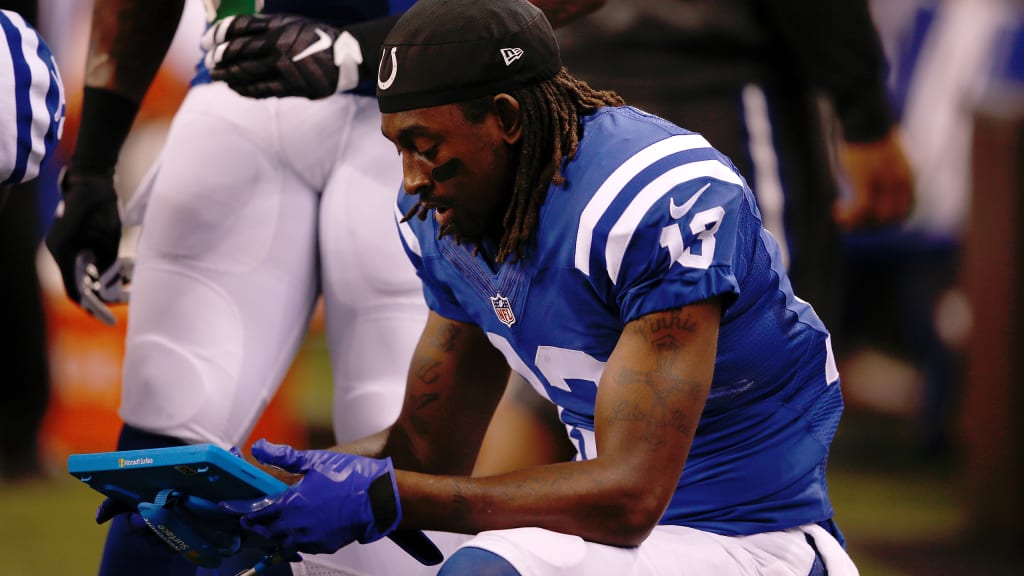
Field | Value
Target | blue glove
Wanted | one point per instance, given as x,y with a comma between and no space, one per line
342,499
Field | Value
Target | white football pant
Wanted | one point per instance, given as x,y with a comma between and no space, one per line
668,551
254,208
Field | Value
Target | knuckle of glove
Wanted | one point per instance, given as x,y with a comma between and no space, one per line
248,48
312,77
342,499
305,59
244,24
91,220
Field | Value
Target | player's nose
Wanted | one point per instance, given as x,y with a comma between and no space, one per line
415,174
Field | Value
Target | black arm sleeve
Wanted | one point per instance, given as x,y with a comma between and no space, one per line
835,46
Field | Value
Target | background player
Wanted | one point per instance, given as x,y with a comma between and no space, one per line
32,109
766,83
253,210
618,263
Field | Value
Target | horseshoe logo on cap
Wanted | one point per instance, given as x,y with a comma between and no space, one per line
385,84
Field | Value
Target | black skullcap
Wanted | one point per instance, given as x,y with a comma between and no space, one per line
447,51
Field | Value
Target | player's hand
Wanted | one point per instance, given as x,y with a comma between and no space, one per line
281,55
881,183
111,508
342,498
84,240
288,478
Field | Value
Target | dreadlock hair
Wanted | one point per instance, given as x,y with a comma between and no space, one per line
551,112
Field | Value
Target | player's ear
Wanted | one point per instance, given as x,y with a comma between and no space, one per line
507,110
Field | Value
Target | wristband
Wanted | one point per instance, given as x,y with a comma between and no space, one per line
106,120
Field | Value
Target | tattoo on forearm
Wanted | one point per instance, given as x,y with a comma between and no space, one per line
428,370
527,489
446,341
419,404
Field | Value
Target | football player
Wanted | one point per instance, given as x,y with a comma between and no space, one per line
32,112
619,264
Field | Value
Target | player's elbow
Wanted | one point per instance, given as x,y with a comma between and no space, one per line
639,518
636,511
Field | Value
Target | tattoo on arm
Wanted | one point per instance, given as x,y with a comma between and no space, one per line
428,370
661,381
447,340
416,419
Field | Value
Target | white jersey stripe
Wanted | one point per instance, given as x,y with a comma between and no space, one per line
768,190
622,231
9,140
617,180
41,119
31,100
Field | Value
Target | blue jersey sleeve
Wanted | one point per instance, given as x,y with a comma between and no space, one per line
678,241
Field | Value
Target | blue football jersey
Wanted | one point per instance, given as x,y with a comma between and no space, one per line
653,218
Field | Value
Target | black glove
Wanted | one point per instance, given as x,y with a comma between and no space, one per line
85,236
281,55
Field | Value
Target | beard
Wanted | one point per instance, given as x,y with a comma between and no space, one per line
463,231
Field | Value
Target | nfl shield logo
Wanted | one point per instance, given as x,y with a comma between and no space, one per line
503,310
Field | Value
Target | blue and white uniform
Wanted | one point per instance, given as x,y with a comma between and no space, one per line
32,103
652,219
655,219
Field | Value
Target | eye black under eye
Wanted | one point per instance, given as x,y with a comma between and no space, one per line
447,171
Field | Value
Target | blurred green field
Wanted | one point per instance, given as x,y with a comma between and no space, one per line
46,527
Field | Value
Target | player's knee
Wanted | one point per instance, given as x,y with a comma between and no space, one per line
470,561
164,387
366,408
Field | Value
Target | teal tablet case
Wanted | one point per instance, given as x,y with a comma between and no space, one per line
203,470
